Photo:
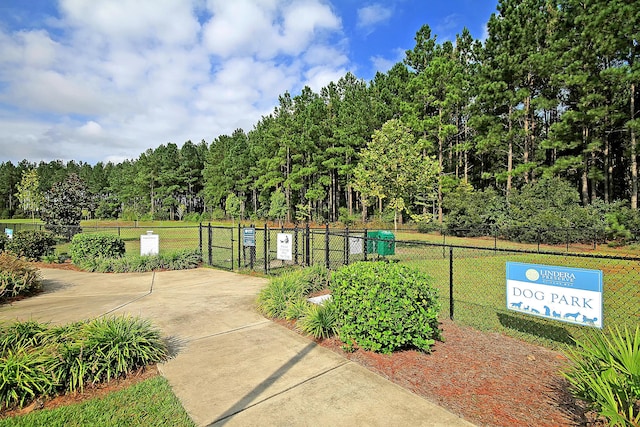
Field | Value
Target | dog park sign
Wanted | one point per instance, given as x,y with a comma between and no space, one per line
571,295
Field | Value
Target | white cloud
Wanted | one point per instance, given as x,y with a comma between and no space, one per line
383,64
448,27
370,16
266,28
106,80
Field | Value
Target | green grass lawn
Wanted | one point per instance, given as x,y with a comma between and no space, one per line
148,403
479,292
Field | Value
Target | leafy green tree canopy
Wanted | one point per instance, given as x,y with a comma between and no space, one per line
62,207
29,193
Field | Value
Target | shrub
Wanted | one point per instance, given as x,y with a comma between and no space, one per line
17,277
471,212
31,244
606,374
24,376
95,245
385,306
274,300
428,227
320,321
281,298
41,360
21,334
115,346
178,260
192,217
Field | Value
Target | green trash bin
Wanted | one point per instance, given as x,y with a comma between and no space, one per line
386,243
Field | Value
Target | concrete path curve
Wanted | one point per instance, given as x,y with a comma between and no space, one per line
232,366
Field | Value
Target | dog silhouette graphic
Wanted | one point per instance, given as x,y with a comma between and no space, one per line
574,315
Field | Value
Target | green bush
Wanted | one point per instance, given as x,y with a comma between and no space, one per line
25,375
95,245
178,260
20,335
320,321
115,346
606,374
37,359
385,306
31,244
472,213
17,277
281,298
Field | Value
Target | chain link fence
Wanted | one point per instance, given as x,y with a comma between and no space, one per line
471,279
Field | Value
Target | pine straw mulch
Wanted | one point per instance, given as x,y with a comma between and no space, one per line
486,378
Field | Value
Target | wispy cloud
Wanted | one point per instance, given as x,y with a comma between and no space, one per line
383,64
371,16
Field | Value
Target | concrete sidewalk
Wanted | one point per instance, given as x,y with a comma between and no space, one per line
232,366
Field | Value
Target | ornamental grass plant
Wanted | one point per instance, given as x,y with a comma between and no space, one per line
605,374
38,359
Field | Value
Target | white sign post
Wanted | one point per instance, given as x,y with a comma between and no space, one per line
572,295
285,247
149,244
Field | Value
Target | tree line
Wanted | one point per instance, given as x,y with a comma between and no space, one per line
550,94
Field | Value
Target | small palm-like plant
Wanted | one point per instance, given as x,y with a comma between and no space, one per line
320,321
606,375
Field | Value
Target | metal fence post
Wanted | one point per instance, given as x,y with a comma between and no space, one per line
326,246
240,244
307,246
295,243
451,282
266,249
210,233
199,237
231,246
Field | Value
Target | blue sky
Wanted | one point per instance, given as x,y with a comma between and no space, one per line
104,80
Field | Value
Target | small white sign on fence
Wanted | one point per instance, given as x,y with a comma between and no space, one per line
285,247
355,245
149,244
9,233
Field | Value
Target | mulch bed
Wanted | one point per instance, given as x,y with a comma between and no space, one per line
488,379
